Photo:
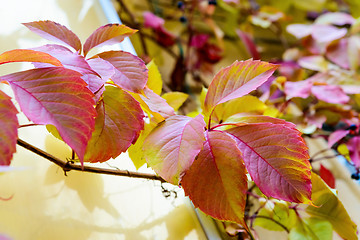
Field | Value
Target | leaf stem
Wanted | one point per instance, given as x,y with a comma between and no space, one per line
68,166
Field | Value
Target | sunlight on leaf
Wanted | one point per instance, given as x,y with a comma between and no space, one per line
8,130
55,32
280,169
57,96
109,34
27,55
175,99
216,182
172,146
154,82
117,125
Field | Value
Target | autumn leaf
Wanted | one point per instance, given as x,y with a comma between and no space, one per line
172,146
327,176
27,55
154,82
216,182
175,99
235,81
328,207
130,71
118,124
156,105
109,34
55,32
8,130
276,158
57,96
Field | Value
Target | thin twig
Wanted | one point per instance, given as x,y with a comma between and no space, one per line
271,219
68,166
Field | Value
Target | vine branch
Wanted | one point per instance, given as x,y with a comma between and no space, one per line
69,165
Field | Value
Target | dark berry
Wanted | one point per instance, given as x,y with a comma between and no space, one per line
183,19
352,127
212,2
355,176
180,4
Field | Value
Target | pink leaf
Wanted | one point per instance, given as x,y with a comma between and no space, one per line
27,55
300,89
216,182
57,96
336,18
172,146
152,21
327,176
8,129
327,33
157,104
330,94
249,44
130,71
74,62
338,53
354,150
55,32
276,158
337,136
117,125
316,63
237,80
109,34
299,30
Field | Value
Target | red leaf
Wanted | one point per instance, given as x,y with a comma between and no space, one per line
216,182
327,176
8,130
27,55
109,34
172,146
55,32
57,96
235,81
276,158
118,124
330,94
130,71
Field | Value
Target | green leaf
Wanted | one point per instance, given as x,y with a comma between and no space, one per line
311,229
329,207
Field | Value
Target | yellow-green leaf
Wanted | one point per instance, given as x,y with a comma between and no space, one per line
330,208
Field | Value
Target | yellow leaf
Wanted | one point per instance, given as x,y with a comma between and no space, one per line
343,150
175,99
154,81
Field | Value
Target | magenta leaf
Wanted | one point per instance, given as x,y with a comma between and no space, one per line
55,32
74,62
157,104
300,89
327,176
249,44
354,150
57,96
216,182
235,81
130,71
117,125
327,33
172,146
152,21
8,129
330,94
109,34
337,136
276,158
